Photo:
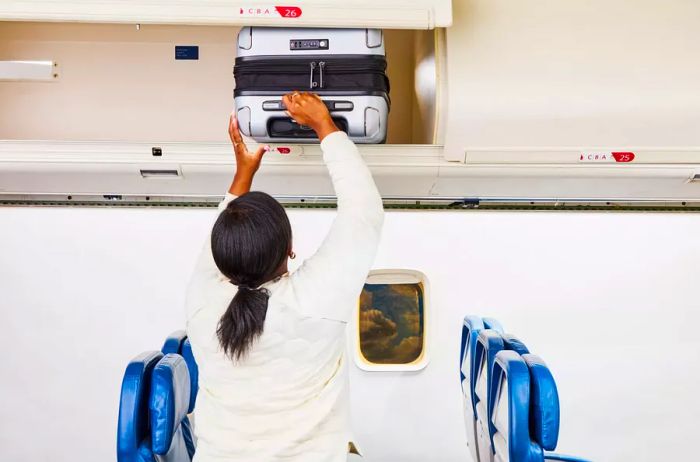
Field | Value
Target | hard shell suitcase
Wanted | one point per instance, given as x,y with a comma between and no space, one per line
346,67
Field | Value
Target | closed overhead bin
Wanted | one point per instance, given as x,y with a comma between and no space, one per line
405,14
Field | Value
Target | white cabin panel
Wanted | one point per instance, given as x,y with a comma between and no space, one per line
409,14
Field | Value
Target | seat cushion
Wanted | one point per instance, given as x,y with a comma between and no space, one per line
169,401
544,403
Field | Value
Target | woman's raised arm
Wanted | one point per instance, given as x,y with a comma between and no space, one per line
247,164
333,278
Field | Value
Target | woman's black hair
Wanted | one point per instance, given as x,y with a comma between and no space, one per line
250,242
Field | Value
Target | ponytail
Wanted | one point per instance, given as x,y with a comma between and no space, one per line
250,243
243,321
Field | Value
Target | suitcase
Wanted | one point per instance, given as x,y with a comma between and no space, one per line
345,67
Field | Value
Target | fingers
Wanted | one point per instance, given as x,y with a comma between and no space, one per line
235,132
260,152
235,135
287,101
231,128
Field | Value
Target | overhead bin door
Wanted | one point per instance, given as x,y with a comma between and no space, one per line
407,14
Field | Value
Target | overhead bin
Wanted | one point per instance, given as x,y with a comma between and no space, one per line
114,82
514,101
389,14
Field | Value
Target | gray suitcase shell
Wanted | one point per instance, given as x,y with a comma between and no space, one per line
365,116
273,41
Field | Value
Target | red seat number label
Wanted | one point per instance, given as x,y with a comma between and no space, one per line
289,11
623,156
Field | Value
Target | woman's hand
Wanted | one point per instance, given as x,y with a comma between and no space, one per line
247,163
308,109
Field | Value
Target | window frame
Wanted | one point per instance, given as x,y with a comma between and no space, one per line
395,276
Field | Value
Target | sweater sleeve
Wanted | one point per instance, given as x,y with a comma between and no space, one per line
328,284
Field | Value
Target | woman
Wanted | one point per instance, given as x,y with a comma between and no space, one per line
270,345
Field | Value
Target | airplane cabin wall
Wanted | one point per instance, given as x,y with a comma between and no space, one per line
609,300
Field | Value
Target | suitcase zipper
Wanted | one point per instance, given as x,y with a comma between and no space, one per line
328,67
284,67
321,65
312,65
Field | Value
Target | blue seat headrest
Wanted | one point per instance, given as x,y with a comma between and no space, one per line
173,342
544,403
132,426
511,342
169,400
493,324
194,373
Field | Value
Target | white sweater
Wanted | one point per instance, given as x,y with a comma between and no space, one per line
287,400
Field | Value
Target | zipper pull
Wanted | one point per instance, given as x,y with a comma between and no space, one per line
312,65
321,65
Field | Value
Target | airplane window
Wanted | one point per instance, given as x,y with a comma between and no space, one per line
392,319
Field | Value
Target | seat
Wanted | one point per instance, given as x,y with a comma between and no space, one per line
194,373
471,326
525,412
174,342
489,343
171,433
133,440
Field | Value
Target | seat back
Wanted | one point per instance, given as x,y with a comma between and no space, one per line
133,422
171,434
489,343
511,411
194,373
174,342
471,326
526,408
